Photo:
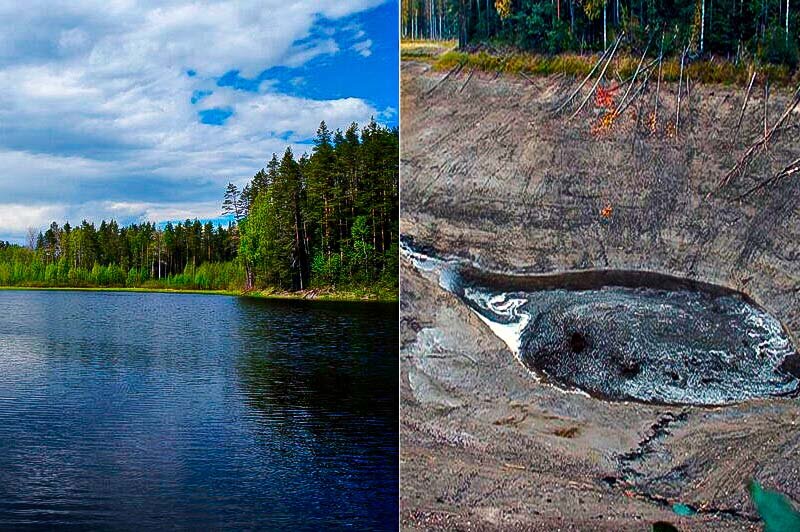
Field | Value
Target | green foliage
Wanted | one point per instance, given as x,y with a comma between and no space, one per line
327,271
558,38
530,24
133,278
737,32
777,49
534,26
20,267
327,219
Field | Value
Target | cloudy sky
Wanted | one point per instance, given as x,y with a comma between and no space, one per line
145,110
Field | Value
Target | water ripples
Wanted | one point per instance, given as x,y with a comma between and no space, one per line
152,410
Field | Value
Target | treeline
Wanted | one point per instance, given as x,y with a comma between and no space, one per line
325,220
328,219
762,30
181,255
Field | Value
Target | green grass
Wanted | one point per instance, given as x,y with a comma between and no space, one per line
330,294
445,57
424,50
327,294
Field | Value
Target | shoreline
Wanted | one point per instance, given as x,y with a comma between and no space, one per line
306,295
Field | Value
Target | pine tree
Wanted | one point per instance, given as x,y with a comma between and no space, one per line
232,203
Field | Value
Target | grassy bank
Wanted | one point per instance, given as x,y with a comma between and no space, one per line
444,56
322,294
423,50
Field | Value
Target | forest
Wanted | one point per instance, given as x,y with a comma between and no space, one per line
761,31
327,220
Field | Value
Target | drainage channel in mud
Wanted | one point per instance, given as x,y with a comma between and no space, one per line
628,335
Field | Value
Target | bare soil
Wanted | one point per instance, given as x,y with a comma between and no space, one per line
489,174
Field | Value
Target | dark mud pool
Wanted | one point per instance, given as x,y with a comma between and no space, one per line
628,335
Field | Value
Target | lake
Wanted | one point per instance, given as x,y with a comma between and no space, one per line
147,410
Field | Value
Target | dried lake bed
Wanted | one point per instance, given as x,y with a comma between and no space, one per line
492,179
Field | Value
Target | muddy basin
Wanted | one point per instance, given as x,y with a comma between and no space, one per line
627,335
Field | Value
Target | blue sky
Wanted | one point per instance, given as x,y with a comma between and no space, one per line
145,110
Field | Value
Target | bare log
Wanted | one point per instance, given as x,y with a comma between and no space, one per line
761,144
644,69
766,99
680,84
635,75
658,84
639,91
744,105
469,77
524,75
791,169
579,87
453,70
600,77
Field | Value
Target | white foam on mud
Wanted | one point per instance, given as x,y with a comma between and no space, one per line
775,344
510,329
509,314
505,306
441,268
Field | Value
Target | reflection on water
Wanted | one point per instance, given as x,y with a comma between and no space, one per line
146,410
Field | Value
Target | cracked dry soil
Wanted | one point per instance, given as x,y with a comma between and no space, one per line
489,175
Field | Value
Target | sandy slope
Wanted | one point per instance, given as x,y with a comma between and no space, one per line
489,175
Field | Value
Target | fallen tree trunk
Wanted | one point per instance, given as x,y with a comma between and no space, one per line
453,70
761,144
600,77
635,75
587,78
469,77
744,105
639,91
654,121
791,169
680,84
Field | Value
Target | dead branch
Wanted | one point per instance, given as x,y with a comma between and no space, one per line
791,169
453,70
600,77
579,87
760,145
744,105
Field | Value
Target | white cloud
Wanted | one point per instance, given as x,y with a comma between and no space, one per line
364,48
16,218
96,118
144,212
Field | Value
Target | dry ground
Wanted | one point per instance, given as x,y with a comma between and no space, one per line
489,174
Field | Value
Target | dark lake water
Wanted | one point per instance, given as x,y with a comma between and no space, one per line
142,411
